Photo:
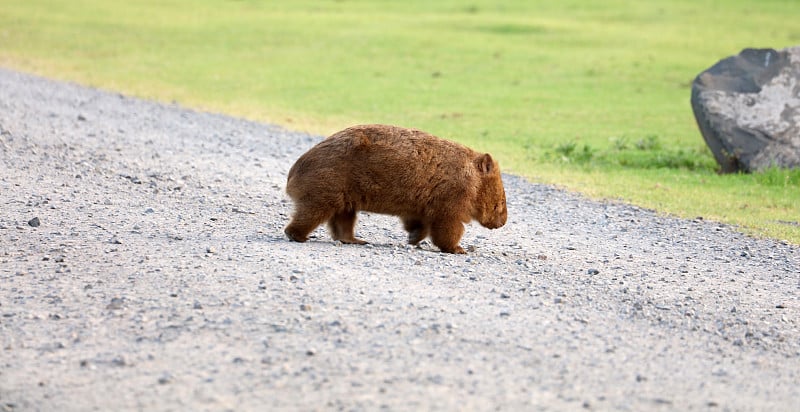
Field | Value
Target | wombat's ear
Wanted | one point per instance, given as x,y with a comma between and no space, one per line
485,163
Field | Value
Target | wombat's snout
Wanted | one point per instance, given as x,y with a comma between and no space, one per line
497,222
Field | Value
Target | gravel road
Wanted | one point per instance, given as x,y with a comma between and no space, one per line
143,267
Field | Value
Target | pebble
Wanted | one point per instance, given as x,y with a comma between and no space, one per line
165,378
116,304
35,222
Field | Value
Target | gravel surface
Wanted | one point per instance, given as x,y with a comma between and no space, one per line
143,267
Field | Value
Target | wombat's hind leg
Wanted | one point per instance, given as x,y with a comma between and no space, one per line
342,227
304,221
446,236
417,230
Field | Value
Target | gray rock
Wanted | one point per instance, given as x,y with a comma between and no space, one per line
748,109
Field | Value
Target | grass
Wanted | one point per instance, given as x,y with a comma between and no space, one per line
591,96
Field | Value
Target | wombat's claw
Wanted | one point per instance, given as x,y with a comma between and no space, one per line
353,241
414,240
458,250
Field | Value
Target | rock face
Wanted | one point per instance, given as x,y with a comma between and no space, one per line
748,109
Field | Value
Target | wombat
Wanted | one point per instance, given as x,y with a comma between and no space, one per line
433,185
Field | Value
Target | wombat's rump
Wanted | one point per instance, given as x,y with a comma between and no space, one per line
433,185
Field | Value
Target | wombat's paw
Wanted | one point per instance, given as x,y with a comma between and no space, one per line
458,250
415,237
294,236
353,241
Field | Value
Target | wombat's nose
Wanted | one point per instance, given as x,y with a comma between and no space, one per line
499,222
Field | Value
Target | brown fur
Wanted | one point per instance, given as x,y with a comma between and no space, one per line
433,185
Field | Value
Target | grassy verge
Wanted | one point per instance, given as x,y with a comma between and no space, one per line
592,96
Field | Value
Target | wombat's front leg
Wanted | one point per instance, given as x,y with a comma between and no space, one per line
342,227
305,220
417,230
446,236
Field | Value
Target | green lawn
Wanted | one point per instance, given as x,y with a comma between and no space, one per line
589,95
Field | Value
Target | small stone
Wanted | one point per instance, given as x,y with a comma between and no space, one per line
34,222
311,352
118,361
165,379
505,296
116,303
593,272
197,305
211,250
505,314
305,308
81,118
